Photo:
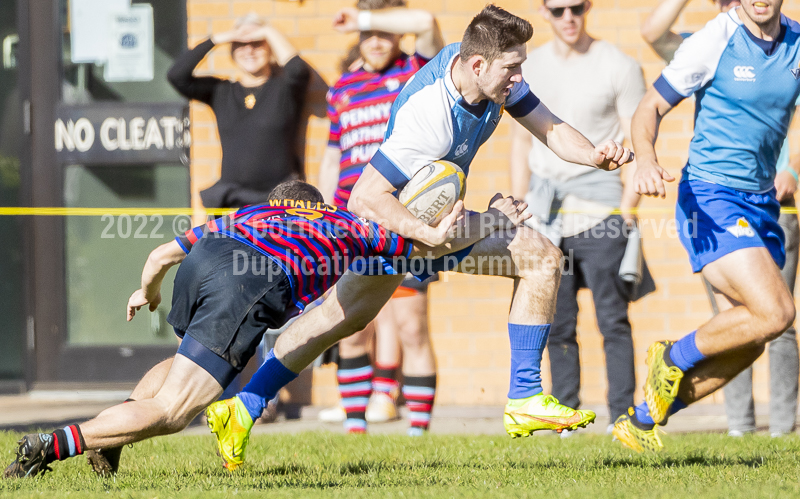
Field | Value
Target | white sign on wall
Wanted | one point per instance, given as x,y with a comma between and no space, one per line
130,45
88,27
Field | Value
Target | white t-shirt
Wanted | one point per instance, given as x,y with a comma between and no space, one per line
591,92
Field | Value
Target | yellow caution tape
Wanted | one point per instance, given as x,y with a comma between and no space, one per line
96,212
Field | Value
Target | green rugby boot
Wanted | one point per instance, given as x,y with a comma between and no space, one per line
542,412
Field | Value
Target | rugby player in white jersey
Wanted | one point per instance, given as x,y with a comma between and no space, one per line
451,107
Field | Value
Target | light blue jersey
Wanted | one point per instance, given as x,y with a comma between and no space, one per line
746,90
431,121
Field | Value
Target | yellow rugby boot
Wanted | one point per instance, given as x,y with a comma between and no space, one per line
635,438
231,423
663,381
542,412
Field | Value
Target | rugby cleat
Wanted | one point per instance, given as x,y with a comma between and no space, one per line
542,412
104,462
31,456
231,423
636,438
663,381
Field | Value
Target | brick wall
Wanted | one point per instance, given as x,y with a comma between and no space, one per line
468,314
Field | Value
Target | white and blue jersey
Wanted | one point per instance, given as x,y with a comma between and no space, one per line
746,89
430,121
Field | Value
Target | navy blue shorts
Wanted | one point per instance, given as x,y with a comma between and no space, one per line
222,307
714,220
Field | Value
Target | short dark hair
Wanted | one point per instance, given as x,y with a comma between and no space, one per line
379,4
492,32
298,190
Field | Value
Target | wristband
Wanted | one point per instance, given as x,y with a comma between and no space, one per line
794,174
364,20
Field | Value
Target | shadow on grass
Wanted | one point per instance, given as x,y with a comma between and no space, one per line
647,462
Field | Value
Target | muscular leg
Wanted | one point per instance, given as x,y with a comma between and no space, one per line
763,309
739,404
410,321
152,381
534,263
531,260
353,303
187,390
387,344
356,344
562,345
419,364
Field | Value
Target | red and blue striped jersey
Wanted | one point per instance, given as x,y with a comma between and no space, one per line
314,243
359,106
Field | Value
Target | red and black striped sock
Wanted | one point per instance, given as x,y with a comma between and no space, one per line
419,392
385,380
67,442
355,387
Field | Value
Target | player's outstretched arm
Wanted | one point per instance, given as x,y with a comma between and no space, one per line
657,28
158,263
570,145
521,143
649,176
400,21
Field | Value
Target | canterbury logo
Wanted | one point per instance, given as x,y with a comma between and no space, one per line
462,149
795,73
744,73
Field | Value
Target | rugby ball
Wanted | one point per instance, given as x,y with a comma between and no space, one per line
433,191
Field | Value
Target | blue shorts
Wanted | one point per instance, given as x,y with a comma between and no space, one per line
714,220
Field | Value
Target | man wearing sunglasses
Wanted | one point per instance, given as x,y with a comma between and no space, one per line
784,361
595,87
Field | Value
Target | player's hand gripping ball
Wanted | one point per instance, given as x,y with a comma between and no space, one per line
433,191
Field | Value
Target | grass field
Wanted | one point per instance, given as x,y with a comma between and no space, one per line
338,466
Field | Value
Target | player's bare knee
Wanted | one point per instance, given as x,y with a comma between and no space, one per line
414,339
532,252
782,319
776,318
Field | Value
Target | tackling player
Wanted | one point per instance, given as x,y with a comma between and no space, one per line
743,69
447,111
240,275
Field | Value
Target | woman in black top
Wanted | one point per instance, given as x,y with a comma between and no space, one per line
258,117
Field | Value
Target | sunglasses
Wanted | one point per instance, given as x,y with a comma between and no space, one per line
577,10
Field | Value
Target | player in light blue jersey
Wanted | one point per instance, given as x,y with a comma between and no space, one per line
446,111
743,69
784,360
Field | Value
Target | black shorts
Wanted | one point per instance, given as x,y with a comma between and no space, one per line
226,296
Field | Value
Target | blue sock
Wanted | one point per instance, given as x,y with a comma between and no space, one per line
253,403
643,412
264,385
684,353
527,347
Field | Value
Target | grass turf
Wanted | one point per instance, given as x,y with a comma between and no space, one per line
339,466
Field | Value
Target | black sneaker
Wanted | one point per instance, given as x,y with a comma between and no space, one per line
104,462
31,456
